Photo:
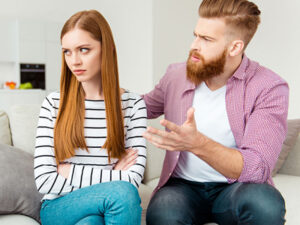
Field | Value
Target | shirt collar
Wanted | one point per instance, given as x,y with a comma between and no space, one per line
240,72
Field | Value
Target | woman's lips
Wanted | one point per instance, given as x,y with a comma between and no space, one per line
79,72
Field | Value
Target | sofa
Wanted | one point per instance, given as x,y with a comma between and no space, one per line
17,133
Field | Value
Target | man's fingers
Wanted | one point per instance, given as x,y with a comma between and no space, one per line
158,132
154,138
190,115
164,147
159,142
170,126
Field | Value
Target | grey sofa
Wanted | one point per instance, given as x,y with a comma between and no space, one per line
17,128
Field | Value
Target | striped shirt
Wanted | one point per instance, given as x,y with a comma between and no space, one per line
88,168
256,104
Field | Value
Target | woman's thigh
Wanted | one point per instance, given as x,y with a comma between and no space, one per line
113,201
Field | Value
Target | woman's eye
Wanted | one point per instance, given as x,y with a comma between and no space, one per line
66,52
84,50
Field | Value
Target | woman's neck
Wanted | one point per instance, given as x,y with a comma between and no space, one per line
93,90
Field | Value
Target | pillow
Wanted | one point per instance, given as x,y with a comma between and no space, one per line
288,144
18,193
5,137
23,124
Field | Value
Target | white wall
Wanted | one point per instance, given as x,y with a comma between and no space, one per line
152,34
275,45
131,24
173,26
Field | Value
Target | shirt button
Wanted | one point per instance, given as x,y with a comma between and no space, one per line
177,156
170,174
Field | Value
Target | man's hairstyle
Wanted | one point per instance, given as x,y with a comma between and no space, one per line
240,15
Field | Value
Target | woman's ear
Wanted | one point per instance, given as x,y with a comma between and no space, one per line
236,47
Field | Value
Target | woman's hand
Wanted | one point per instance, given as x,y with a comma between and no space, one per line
128,160
64,170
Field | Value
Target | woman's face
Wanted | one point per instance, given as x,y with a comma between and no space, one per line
82,55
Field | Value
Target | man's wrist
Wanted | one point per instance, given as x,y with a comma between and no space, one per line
201,144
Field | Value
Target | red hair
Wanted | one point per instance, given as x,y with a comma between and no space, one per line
241,15
69,126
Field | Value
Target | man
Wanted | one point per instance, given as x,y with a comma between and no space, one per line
225,117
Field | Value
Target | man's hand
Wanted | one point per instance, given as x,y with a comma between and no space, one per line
128,160
64,170
180,138
187,138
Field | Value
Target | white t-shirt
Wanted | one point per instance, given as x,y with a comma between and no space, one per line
212,120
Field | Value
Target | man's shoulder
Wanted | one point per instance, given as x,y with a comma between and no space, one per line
261,76
177,67
176,72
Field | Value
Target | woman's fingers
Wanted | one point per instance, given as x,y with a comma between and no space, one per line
129,165
127,161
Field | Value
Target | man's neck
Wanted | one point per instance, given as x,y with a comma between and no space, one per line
230,67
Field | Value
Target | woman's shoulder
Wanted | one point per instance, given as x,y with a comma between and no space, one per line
131,98
55,95
53,99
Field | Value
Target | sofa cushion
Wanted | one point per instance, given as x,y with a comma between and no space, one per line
155,156
288,144
18,193
145,194
5,137
289,188
291,166
23,123
17,219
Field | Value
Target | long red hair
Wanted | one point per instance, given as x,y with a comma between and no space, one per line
69,126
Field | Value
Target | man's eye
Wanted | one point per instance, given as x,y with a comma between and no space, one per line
84,50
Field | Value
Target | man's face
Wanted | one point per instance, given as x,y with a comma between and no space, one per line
208,52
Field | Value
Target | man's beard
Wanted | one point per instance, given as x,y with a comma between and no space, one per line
202,71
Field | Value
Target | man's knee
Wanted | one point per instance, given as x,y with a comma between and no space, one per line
263,202
167,207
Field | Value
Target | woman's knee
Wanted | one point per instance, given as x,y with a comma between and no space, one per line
91,220
127,193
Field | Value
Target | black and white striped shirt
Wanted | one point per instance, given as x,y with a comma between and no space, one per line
88,168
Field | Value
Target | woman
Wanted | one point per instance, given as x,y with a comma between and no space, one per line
81,164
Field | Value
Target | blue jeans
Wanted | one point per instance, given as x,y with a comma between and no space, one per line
193,203
111,203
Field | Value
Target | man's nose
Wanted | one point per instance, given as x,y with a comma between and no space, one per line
196,44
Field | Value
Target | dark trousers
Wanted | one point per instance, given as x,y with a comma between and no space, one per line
187,202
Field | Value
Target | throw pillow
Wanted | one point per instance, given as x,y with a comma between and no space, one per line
5,137
18,193
288,144
23,123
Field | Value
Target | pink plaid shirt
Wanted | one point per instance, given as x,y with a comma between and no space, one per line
257,106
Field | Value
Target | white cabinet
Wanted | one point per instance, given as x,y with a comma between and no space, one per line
8,40
32,41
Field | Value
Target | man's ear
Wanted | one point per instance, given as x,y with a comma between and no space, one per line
236,47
